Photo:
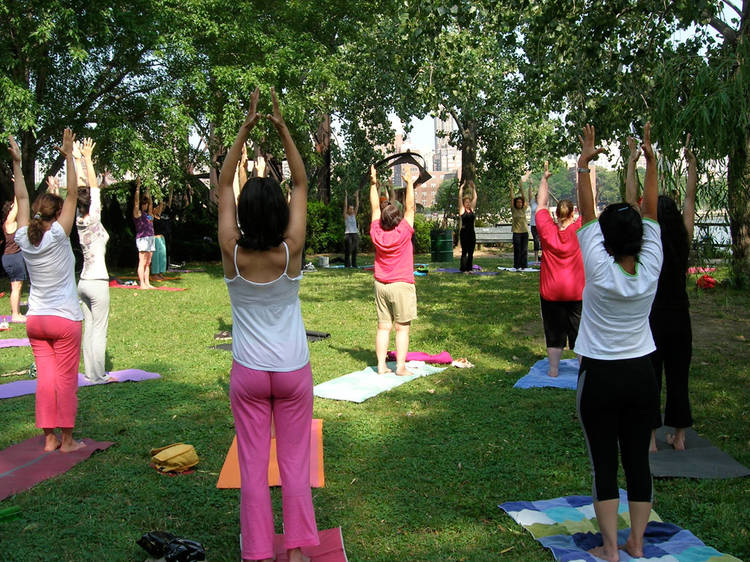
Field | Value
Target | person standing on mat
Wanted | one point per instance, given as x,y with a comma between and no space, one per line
54,317
271,377
670,313
561,277
617,395
144,234
534,206
395,293
520,229
93,285
466,208
351,232
13,263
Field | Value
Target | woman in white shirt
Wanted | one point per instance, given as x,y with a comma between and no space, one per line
622,258
54,316
271,377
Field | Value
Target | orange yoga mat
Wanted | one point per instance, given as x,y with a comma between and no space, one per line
230,472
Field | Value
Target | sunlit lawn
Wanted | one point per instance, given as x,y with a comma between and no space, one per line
412,474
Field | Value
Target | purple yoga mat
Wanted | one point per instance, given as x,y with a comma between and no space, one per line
14,342
25,464
21,388
441,358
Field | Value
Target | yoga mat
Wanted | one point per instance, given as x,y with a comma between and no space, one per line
196,270
473,272
537,377
330,549
514,270
700,459
364,384
21,388
443,357
567,527
25,464
117,285
14,342
133,277
230,472
311,337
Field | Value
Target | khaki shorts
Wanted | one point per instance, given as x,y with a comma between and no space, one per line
396,302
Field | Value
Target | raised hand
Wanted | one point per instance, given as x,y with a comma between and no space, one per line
588,146
635,152
276,118
252,116
68,143
547,173
648,150
53,185
526,176
77,154
15,151
260,167
689,156
373,174
87,149
407,176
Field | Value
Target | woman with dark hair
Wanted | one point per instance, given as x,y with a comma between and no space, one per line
93,284
13,263
622,258
670,313
351,232
144,234
466,208
54,317
271,380
561,278
395,293
520,227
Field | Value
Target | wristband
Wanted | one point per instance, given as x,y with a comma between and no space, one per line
584,170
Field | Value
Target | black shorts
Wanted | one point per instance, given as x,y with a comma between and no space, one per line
561,320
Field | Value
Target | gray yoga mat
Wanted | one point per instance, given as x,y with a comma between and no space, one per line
700,459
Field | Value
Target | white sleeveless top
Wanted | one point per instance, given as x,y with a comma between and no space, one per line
267,329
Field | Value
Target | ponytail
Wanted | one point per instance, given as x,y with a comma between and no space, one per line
46,208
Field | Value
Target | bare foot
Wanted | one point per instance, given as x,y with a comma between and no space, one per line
72,446
604,554
51,442
636,551
403,372
295,555
384,370
552,373
18,319
677,440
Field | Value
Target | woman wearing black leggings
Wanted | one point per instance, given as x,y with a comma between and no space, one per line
466,208
622,258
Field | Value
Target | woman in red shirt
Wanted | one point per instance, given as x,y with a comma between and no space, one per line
395,294
561,278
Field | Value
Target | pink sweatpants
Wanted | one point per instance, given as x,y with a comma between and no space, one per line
56,343
254,395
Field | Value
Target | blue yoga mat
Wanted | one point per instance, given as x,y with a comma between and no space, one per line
537,377
567,527
364,384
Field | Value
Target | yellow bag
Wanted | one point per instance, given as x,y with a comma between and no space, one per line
177,457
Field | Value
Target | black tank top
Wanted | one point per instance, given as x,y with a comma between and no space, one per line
467,221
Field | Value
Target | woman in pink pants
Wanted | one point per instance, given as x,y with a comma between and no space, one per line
271,377
54,317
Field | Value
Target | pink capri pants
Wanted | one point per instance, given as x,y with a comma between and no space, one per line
254,396
56,343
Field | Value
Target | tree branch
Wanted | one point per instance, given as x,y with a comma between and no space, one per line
731,5
729,34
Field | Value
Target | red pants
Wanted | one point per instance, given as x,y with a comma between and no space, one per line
255,395
56,342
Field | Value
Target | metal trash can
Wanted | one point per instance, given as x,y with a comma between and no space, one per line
441,245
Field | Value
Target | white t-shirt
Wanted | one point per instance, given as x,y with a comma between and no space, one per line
616,305
350,224
50,265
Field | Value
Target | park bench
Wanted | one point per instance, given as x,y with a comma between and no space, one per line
501,233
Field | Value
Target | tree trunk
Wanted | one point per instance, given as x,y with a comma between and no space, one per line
468,150
323,147
738,207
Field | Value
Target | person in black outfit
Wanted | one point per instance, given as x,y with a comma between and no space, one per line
466,235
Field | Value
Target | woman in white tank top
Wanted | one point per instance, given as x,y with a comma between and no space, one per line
262,239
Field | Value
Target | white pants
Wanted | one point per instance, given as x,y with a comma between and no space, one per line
94,295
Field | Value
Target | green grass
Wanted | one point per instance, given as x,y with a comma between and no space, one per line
412,474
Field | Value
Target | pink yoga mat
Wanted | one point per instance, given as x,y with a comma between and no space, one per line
14,342
116,285
21,388
443,357
25,464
